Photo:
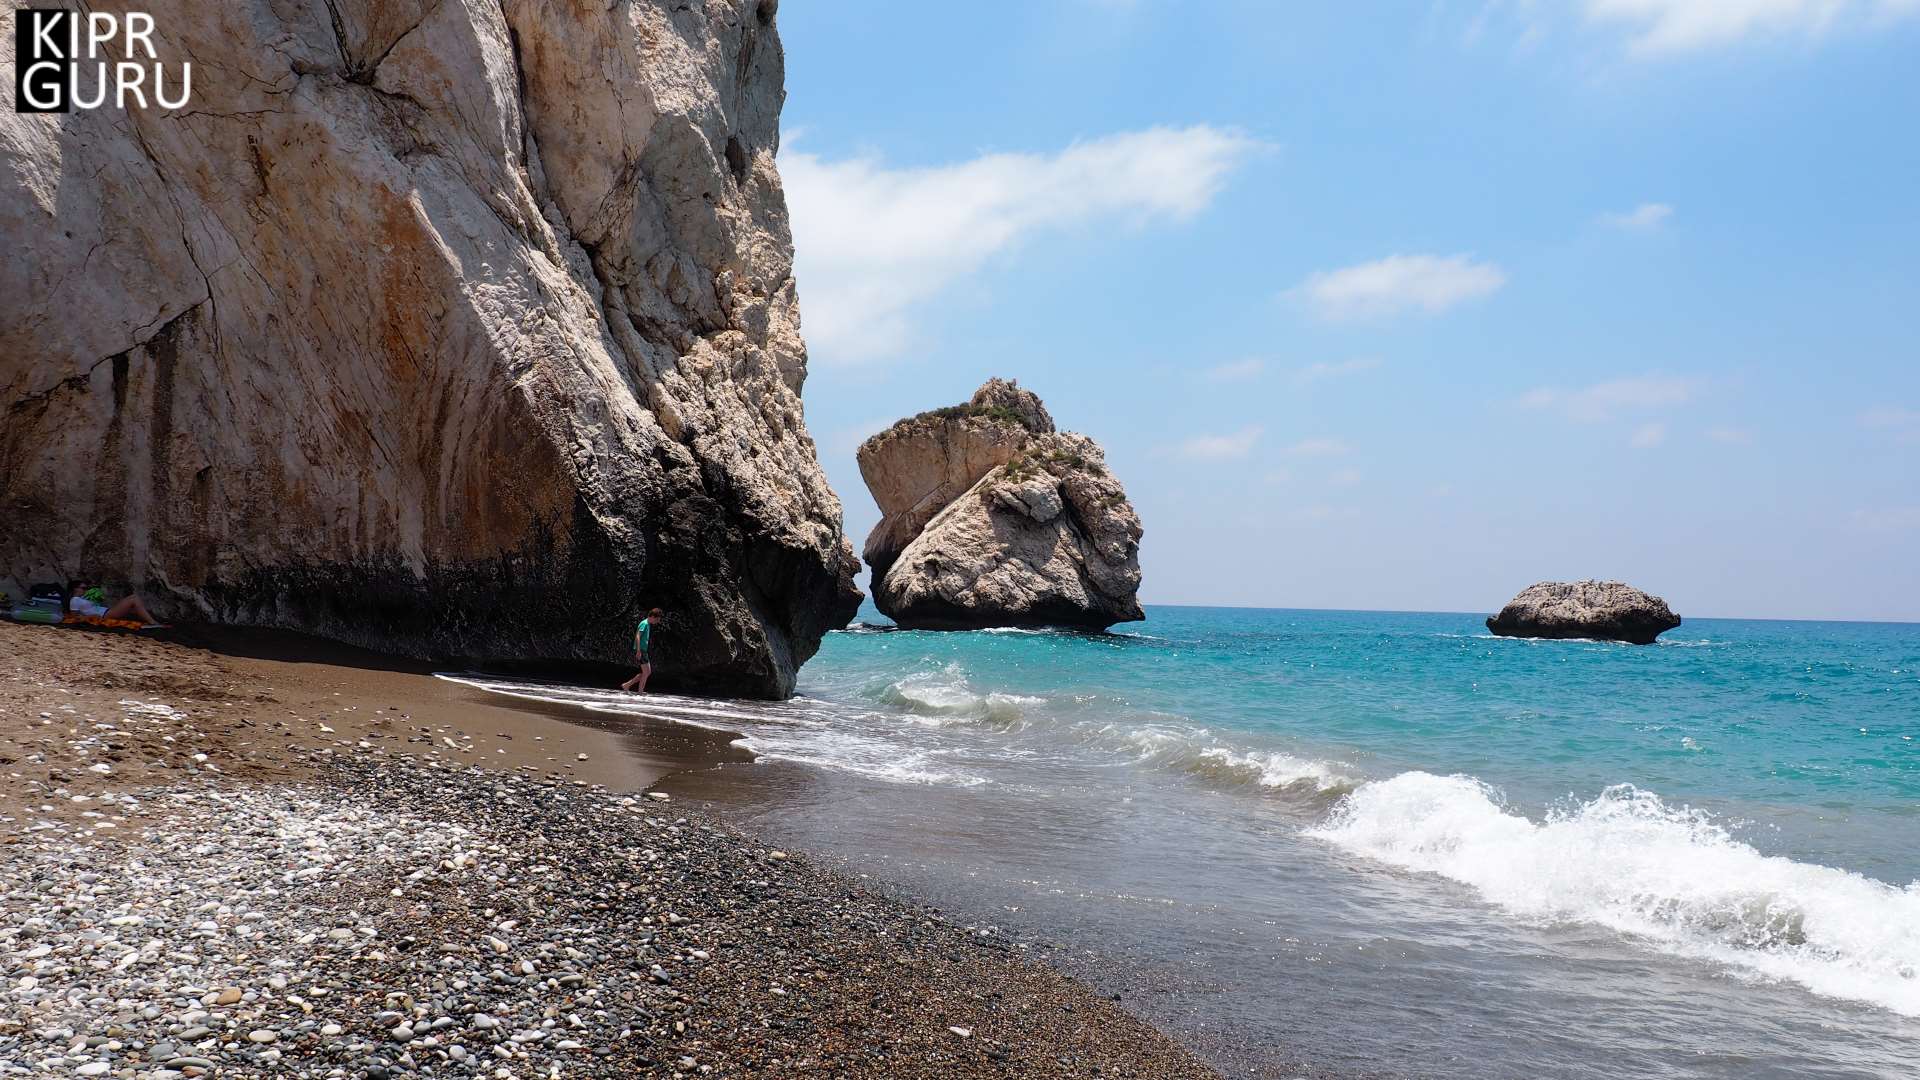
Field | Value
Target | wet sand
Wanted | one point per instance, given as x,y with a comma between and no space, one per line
264,700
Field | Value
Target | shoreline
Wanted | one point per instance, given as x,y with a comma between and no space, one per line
356,872
271,697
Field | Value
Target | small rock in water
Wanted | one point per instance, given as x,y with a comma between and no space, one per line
965,1033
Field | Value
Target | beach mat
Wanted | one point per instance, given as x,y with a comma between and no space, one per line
54,618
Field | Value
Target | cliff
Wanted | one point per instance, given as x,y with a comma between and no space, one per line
994,518
460,330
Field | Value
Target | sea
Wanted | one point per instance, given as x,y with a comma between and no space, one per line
1386,844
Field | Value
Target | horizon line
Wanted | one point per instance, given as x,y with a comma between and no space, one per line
1475,614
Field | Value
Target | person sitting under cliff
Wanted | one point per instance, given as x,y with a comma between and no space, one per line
90,601
642,649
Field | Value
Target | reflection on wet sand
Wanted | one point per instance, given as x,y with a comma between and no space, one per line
654,746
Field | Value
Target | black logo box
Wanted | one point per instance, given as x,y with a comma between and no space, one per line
46,72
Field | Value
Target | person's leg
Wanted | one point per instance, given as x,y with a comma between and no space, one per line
645,670
628,685
131,608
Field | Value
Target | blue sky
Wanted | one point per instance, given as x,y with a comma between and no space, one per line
1407,310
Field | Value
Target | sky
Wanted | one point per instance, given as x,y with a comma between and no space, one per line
1400,310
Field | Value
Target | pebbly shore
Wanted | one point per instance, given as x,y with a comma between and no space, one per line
185,890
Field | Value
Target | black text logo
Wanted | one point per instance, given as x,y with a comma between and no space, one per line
66,60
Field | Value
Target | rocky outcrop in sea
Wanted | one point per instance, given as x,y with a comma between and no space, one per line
1606,610
454,330
991,517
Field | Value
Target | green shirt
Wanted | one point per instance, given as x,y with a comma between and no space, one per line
642,636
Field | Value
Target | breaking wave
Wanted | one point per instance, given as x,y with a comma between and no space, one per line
1667,875
944,695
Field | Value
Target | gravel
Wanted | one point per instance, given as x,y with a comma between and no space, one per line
396,918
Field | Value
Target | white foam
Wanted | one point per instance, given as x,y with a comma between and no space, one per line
910,739
944,697
1276,769
678,709
1667,875
1196,751
790,731
908,770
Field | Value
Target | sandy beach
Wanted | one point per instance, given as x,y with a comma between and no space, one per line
288,859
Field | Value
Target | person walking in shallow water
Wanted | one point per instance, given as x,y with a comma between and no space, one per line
642,652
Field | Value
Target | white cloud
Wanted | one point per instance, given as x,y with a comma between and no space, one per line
1732,436
1317,448
1643,218
873,243
1888,518
1883,416
1345,478
1238,371
1648,436
1221,447
1313,373
1397,283
1903,422
1319,515
1671,26
1603,401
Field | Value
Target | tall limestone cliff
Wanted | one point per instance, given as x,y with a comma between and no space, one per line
456,328
991,517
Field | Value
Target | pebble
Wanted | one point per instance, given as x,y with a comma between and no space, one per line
494,925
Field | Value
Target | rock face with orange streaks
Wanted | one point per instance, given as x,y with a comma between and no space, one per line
461,329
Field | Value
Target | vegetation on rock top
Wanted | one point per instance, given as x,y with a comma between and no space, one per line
998,414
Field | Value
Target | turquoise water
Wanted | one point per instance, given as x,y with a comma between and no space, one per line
1390,843
1812,729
